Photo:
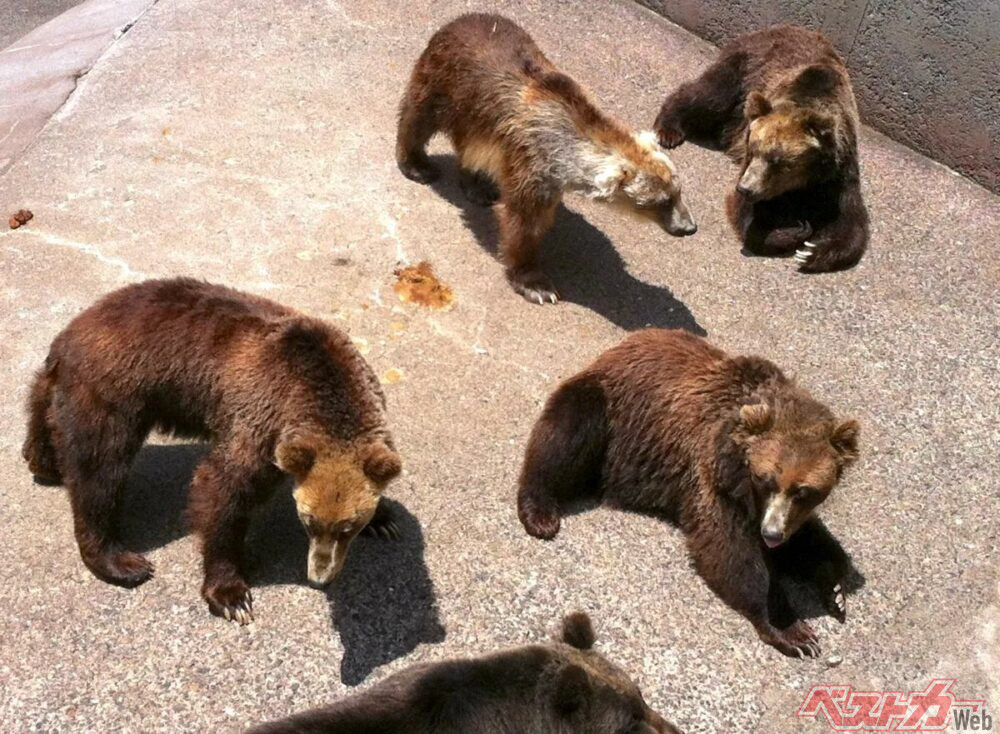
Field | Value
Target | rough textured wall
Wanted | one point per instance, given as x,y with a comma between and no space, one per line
926,72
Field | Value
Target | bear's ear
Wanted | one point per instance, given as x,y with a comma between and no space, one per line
845,440
578,631
818,80
380,463
756,106
756,418
295,453
572,690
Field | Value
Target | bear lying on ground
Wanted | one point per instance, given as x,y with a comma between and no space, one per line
780,102
562,687
525,132
273,390
727,448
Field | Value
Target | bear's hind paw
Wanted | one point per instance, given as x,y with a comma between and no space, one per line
122,568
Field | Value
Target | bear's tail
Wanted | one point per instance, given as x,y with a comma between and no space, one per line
38,449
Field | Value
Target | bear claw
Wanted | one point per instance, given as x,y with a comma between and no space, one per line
838,604
534,286
798,640
232,601
805,253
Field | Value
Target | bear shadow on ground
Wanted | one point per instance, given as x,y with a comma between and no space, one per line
581,260
803,597
382,605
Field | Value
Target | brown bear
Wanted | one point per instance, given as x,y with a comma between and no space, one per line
727,448
780,102
525,132
563,687
275,391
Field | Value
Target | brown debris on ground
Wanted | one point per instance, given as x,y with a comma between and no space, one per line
418,284
19,218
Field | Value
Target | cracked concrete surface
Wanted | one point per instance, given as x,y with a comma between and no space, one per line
40,70
250,143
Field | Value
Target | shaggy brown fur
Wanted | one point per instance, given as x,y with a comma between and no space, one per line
268,386
727,448
562,687
780,102
524,133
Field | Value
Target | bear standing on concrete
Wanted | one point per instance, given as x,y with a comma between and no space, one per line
524,133
727,448
274,390
780,102
562,687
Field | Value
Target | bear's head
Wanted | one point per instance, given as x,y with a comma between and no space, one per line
591,694
788,453
645,181
788,145
337,488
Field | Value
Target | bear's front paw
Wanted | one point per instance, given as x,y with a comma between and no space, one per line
231,600
543,524
670,136
783,239
797,640
383,524
534,285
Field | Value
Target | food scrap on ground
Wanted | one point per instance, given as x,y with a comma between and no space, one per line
392,376
418,284
19,218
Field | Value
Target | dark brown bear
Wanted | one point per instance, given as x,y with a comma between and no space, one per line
727,448
524,133
780,102
274,391
563,687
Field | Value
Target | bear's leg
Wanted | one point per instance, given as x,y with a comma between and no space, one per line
95,457
702,109
383,523
814,555
523,224
223,493
841,243
736,570
478,187
760,230
417,123
564,455
39,450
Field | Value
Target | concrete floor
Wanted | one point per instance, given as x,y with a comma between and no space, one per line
17,17
251,143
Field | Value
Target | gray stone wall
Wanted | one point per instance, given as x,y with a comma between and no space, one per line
926,72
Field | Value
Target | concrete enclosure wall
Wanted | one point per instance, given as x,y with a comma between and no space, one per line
926,72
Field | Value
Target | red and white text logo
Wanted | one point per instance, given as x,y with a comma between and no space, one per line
933,709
